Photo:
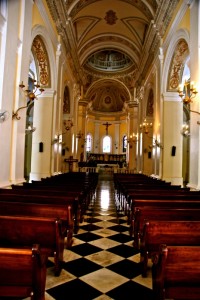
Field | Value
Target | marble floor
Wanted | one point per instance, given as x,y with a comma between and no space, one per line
102,263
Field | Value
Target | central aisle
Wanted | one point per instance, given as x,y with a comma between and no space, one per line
102,263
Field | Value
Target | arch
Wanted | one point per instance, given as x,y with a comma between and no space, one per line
41,31
116,81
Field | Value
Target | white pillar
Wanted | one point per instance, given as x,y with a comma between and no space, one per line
194,172
41,156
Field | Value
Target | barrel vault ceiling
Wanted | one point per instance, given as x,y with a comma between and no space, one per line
110,44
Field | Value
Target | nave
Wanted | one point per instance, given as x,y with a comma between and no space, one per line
102,263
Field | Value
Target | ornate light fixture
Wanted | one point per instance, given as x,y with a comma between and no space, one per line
68,124
31,95
4,115
133,138
145,126
156,143
79,135
30,129
187,91
185,130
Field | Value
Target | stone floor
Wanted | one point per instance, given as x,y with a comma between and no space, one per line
102,263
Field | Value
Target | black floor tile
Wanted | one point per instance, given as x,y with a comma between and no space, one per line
119,228
131,290
75,289
121,238
126,268
85,249
88,236
81,267
90,227
123,250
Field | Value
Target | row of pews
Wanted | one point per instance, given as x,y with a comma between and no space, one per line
164,222
38,221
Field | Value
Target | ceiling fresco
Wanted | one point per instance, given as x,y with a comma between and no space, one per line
111,44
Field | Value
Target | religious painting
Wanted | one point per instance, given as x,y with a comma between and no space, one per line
66,101
150,103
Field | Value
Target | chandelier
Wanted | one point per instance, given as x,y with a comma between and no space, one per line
145,126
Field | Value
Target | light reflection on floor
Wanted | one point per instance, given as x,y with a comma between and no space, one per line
105,198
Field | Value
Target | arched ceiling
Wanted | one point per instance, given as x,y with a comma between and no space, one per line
111,42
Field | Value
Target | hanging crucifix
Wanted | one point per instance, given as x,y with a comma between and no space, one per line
107,125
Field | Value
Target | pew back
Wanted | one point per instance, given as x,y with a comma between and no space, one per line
23,231
23,272
156,232
176,273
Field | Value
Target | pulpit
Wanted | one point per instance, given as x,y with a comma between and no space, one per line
70,162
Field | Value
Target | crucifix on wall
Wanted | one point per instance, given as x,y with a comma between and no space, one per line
107,125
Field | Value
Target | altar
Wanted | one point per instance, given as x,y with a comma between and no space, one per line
107,167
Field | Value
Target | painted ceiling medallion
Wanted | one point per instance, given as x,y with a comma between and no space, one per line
111,17
107,100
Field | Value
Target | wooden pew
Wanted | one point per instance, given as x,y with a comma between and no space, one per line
83,198
23,273
164,201
142,214
67,203
83,194
24,231
166,232
44,210
155,193
176,273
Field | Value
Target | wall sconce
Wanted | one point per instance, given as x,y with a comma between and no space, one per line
68,124
55,140
30,129
185,130
187,92
58,139
79,135
4,115
156,143
30,95
145,126
132,139
116,145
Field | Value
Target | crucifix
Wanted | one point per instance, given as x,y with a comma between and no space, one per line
107,125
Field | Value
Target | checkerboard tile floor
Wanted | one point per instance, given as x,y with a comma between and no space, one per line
102,263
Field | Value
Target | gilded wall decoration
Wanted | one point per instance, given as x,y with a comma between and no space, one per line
42,61
177,65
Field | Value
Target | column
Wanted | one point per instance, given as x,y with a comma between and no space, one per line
42,137
194,172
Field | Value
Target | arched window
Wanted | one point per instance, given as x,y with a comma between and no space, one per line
124,143
106,144
88,142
